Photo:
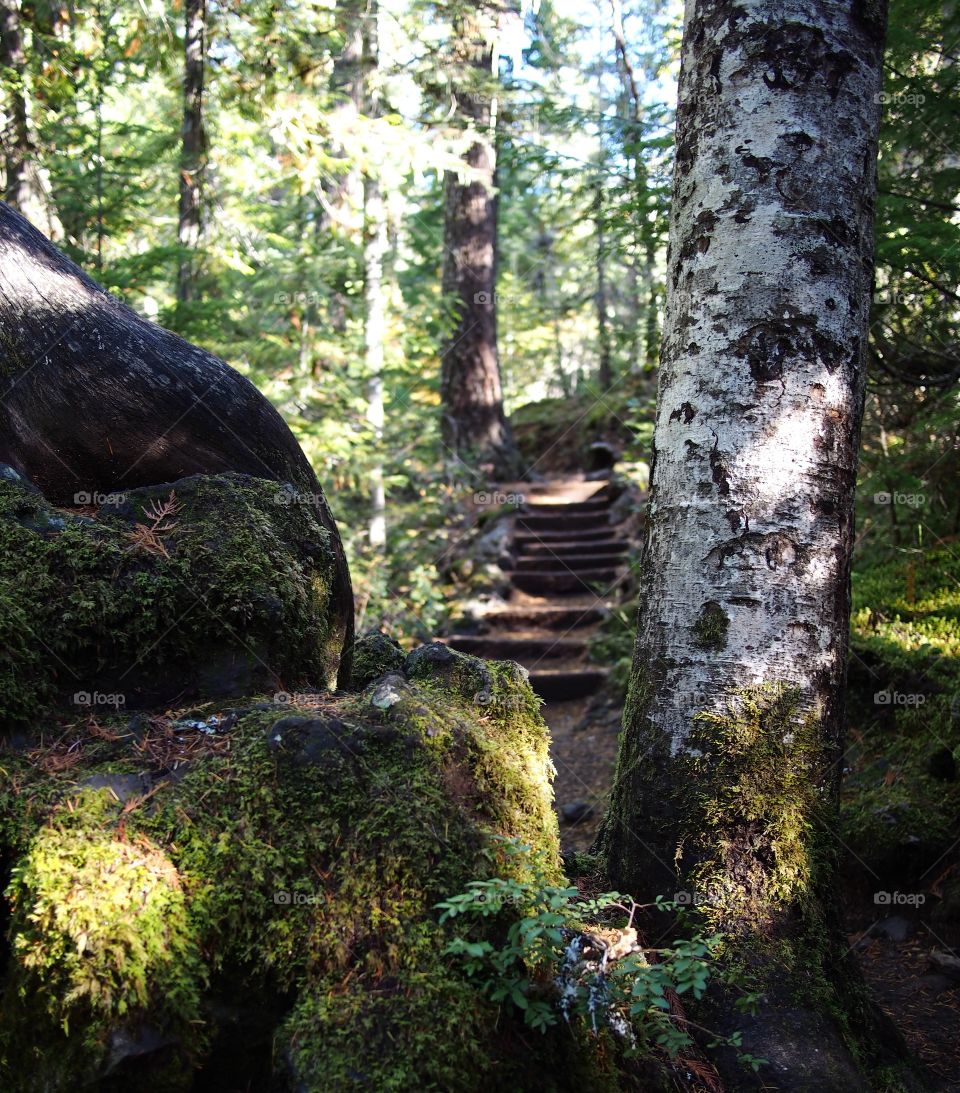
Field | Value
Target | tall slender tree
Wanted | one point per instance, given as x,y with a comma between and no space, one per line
732,746
375,246
474,423
25,186
605,370
193,147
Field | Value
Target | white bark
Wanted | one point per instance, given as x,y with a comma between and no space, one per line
762,375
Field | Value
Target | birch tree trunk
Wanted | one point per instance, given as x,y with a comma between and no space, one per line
193,148
474,424
733,738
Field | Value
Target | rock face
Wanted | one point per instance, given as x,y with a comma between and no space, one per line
261,914
204,587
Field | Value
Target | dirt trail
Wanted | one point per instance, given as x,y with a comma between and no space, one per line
569,556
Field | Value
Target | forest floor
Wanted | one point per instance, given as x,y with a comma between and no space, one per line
569,547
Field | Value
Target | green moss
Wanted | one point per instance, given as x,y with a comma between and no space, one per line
374,654
710,629
292,866
755,831
228,590
899,811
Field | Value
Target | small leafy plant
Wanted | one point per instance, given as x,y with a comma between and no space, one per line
556,959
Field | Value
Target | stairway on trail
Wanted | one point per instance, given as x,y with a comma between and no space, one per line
569,551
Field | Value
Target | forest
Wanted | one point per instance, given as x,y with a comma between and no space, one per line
480,546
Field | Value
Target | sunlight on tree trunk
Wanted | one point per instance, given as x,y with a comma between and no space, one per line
605,371
732,748
474,422
193,146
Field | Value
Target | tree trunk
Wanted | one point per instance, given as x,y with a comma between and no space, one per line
651,340
474,423
732,750
96,399
631,99
25,186
375,317
605,371
193,148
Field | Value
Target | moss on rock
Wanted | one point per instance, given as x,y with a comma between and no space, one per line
264,909
206,586
374,654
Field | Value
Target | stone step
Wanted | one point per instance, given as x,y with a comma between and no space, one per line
549,618
563,684
553,508
493,647
563,548
545,581
572,563
603,531
565,521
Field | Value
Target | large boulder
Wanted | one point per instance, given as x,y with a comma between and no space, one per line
245,896
208,586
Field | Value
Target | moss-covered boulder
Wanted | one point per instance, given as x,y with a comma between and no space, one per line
208,586
245,896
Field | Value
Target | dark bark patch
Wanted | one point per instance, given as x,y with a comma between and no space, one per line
769,347
718,469
774,550
792,56
684,412
762,165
